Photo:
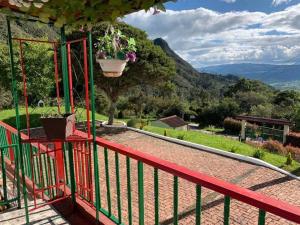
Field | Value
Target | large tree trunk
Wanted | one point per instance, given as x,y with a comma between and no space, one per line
111,112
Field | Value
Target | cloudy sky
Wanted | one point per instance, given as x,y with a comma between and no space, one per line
211,32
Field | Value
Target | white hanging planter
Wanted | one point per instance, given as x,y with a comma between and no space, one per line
112,67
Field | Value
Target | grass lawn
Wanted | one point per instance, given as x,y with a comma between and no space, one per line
227,144
8,116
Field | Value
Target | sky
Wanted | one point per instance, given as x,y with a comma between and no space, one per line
213,32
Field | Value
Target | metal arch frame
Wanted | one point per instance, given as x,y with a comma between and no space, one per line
19,156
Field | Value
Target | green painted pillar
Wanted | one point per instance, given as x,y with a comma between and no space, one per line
19,153
95,152
64,63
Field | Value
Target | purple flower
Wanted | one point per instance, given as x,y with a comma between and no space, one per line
131,56
100,55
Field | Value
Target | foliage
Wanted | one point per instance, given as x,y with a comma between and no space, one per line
232,126
78,12
180,136
151,68
6,98
115,45
274,146
39,69
8,116
293,139
226,144
216,113
289,159
137,123
259,154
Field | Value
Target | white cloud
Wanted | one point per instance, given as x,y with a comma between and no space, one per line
229,1
205,37
279,2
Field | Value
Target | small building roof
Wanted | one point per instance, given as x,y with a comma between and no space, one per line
256,119
173,121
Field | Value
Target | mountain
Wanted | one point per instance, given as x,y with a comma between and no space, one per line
188,79
282,76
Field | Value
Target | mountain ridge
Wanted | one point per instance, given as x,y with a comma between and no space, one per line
272,74
187,77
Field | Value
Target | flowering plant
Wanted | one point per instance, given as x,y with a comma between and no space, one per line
115,45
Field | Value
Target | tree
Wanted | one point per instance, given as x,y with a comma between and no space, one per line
153,67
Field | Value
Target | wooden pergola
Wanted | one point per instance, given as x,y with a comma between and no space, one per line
262,120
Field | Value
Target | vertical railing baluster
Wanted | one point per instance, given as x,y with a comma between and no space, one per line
198,204
3,175
118,187
156,196
226,210
175,201
107,180
261,217
129,191
141,192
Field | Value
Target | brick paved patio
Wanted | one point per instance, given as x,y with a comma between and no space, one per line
250,176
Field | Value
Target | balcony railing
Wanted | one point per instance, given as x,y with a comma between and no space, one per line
121,175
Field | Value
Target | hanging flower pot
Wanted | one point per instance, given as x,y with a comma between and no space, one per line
112,67
58,127
114,50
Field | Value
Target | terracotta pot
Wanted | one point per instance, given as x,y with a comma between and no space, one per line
112,67
59,128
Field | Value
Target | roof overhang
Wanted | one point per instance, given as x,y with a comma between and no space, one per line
103,10
264,120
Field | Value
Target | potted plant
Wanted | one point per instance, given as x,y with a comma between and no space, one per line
114,50
58,126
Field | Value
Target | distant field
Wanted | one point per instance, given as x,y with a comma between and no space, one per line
226,144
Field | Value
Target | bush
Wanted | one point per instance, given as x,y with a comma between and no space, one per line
259,154
232,126
234,149
180,136
289,159
274,147
295,152
293,139
136,123
165,133
133,123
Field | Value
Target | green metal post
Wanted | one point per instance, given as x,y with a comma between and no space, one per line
156,196
3,174
175,201
19,155
107,180
198,204
141,192
226,210
96,169
118,187
261,217
67,108
129,191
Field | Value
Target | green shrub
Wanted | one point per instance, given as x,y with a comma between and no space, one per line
165,133
274,147
180,136
259,154
133,123
289,159
137,123
234,149
232,126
